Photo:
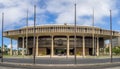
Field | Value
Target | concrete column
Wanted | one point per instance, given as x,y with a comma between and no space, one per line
17,48
83,46
97,46
23,46
37,46
93,47
11,52
110,52
68,49
26,45
52,46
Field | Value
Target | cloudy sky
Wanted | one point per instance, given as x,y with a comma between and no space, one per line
59,12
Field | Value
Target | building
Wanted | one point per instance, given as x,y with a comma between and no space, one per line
116,41
59,39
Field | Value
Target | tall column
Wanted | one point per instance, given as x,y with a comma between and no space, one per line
52,46
26,45
37,46
23,47
110,52
97,46
68,49
83,46
93,47
11,52
17,48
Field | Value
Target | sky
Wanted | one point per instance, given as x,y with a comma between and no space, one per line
58,12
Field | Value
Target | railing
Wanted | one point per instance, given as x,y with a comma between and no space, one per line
61,29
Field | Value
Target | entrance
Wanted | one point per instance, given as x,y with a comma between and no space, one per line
90,51
60,51
30,51
48,51
71,51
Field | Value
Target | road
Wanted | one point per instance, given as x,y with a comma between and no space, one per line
63,60
106,66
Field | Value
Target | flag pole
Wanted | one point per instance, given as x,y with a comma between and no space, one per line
34,43
93,34
2,36
27,33
75,35
111,60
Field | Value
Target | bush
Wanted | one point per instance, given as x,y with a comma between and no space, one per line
116,50
107,49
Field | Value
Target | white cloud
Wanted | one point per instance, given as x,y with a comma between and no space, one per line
15,11
14,46
65,10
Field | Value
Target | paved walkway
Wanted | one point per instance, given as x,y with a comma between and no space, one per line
113,68
48,56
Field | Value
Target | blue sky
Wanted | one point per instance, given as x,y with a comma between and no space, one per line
59,12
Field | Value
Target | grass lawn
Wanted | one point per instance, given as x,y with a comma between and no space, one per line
16,56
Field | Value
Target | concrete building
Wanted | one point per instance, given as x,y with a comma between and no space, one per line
116,41
59,39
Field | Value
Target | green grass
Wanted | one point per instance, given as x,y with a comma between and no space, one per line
16,56
102,56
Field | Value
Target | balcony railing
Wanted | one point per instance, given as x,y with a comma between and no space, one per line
62,30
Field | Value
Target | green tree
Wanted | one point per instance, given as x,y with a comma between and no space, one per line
107,49
5,49
116,50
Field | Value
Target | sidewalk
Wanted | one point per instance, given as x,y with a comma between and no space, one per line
27,64
48,56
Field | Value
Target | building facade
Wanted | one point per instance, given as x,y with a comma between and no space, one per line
59,39
116,41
